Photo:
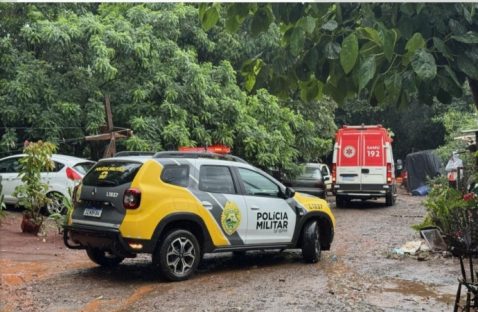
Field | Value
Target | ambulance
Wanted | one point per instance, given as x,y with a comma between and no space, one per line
362,165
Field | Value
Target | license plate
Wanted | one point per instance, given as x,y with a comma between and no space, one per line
92,212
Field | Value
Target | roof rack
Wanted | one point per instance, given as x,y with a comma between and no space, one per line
176,154
133,153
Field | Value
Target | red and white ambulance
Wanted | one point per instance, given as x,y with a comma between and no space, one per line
363,165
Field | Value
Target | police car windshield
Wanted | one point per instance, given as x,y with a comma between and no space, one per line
111,173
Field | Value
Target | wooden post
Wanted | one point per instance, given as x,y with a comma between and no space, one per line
109,132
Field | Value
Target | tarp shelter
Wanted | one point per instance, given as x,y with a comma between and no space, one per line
421,166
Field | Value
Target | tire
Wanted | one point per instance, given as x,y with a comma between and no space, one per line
178,255
389,199
103,258
56,205
311,249
340,201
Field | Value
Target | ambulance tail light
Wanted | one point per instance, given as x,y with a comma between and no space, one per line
334,173
131,198
389,173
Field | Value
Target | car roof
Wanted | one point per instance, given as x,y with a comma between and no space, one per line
194,160
141,159
57,157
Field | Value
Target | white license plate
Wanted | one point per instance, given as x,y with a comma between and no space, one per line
92,212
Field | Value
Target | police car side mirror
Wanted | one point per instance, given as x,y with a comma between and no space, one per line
289,193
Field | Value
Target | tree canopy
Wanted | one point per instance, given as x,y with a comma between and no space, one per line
170,81
388,53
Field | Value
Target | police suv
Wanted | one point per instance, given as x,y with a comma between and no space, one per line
179,205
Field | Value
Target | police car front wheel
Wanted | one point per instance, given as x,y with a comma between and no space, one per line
311,248
178,255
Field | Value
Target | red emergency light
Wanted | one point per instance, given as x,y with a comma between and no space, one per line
217,148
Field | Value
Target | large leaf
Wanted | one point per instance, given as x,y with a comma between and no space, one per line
452,75
393,87
470,37
441,47
297,40
414,43
366,71
310,90
390,37
371,34
209,16
332,50
261,20
349,53
423,64
307,23
467,66
331,25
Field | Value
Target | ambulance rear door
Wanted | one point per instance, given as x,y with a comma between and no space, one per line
348,158
374,167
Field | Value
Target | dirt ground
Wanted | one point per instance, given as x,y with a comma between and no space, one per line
359,273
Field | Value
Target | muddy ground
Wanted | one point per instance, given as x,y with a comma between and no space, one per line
359,273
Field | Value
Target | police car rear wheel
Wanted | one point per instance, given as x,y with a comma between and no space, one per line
178,255
311,248
103,258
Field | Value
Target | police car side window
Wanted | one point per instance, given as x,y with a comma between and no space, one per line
258,185
176,175
216,179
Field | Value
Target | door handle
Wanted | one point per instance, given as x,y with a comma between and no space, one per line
206,204
254,208
365,171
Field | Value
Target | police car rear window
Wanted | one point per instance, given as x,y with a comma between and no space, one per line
111,173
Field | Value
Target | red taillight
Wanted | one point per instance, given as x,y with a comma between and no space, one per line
334,173
131,199
389,173
72,174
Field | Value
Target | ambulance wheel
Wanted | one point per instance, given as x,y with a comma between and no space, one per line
178,255
103,258
340,201
389,199
311,248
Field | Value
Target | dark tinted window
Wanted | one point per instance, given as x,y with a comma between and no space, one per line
56,167
10,165
216,179
177,175
112,173
258,185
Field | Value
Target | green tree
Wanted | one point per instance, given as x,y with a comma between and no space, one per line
31,193
168,79
386,52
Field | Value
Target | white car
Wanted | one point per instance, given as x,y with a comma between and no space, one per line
324,169
68,171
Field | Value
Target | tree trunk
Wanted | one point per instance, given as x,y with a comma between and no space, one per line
474,90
